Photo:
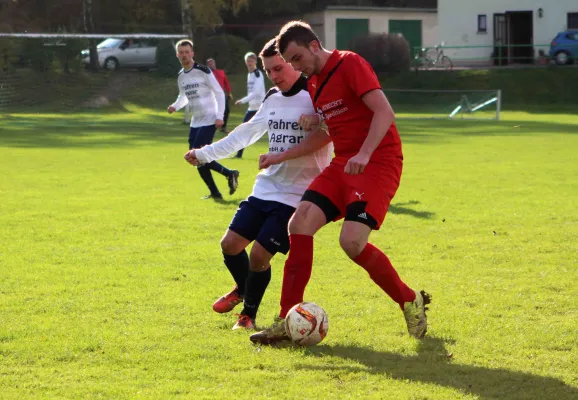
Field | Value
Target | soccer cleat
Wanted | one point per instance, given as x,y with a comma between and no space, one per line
276,333
227,302
244,322
414,312
233,180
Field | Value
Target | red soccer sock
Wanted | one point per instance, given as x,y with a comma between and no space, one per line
384,275
297,271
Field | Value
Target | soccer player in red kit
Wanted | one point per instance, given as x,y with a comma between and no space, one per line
358,185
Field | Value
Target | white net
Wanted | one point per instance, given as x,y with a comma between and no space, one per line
444,104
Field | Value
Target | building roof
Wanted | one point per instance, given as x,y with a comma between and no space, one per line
382,9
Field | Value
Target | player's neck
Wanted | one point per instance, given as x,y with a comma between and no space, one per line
251,69
323,57
188,66
293,80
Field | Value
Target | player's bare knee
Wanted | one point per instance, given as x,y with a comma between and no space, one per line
230,246
352,245
259,259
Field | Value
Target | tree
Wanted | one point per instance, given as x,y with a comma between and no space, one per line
89,28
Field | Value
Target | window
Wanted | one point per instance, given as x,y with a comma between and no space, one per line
573,20
482,23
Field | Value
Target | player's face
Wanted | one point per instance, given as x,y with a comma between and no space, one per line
251,63
211,64
302,58
185,55
279,72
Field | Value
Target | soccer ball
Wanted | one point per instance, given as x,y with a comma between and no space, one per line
306,324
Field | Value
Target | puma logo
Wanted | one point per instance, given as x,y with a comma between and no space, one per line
359,195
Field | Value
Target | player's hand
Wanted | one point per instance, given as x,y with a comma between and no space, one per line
309,122
171,109
356,164
238,102
266,160
219,123
191,158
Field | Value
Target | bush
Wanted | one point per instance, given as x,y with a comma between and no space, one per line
387,54
168,64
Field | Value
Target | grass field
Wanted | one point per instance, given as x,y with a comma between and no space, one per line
109,264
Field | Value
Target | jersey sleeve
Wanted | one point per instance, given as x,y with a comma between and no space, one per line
219,94
360,75
182,100
242,136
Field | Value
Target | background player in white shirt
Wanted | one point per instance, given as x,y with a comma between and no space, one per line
264,216
255,90
199,88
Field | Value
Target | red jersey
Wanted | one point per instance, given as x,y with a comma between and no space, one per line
336,93
222,79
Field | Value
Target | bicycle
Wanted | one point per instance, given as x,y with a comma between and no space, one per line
441,61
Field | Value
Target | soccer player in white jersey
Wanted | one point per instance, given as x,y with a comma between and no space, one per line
255,90
199,88
263,217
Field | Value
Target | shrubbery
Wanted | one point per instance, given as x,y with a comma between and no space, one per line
388,54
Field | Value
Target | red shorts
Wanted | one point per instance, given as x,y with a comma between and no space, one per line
363,198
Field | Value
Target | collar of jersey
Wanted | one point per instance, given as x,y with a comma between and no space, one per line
331,62
190,69
299,85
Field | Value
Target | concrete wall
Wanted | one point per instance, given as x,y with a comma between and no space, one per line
458,23
378,22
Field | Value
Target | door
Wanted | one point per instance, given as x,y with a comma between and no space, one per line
500,53
521,36
147,53
411,30
349,29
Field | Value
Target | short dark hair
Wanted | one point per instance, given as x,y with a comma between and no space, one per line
184,42
295,31
270,49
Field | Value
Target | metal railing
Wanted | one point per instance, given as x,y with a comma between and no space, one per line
446,57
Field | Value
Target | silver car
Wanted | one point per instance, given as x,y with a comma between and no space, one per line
125,53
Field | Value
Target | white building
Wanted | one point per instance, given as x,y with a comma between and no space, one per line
513,31
336,26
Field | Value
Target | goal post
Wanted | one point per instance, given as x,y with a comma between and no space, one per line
445,104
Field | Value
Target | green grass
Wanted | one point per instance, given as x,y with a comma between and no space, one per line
109,264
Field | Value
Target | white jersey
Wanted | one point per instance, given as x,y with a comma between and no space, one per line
199,88
255,90
278,115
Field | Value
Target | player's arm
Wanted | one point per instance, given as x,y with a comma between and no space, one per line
181,101
242,136
219,94
365,84
254,93
312,142
383,117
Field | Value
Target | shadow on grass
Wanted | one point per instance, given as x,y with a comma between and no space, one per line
131,129
433,365
402,209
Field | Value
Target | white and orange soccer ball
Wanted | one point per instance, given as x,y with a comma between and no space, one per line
306,324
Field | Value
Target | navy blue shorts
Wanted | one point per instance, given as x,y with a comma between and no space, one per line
249,115
264,221
201,136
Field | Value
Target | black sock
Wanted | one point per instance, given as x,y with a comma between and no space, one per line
238,266
257,283
207,177
215,166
